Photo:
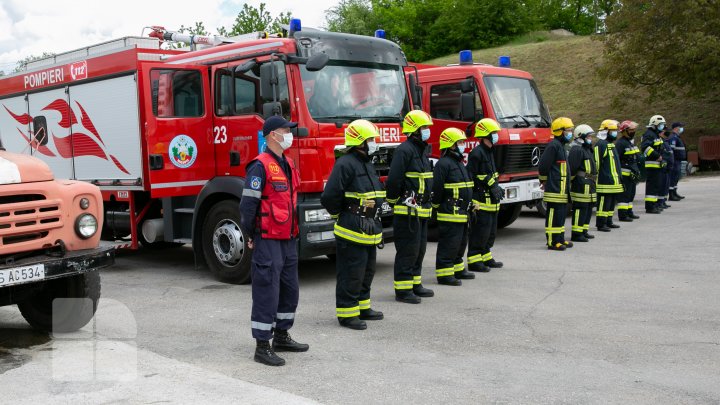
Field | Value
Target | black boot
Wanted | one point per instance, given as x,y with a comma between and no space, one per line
653,210
601,224
421,291
353,322
674,196
624,216
682,197
282,342
464,275
567,244
557,246
371,315
633,216
493,264
449,280
266,355
612,226
478,267
587,235
579,237
407,297
666,205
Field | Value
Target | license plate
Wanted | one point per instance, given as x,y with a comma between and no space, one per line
386,207
536,195
20,275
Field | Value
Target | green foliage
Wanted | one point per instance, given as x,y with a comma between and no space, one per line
253,19
669,43
352,17
198,29
20,66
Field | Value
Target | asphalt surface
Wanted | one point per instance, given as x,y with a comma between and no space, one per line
631,317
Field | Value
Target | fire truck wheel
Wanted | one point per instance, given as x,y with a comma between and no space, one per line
224,244
81,294
508,214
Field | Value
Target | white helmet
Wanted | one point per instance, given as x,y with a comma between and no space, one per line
656,120
583,130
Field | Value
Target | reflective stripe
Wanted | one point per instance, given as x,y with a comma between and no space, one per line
449,271
487,256
421,179
368,195
555,197
251,193
610,188
403,285
356,237
364,304
652,164
459,218
542,178
550,229
485,206
459,267
631,151
649,150
463,184
347,312
474,258
261,325
405,210
651,198
581,197
417,280
285,315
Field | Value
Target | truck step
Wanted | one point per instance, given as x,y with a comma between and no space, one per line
184,210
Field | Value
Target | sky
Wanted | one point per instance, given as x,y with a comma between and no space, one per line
37,26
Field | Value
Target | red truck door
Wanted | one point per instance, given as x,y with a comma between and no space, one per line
178,128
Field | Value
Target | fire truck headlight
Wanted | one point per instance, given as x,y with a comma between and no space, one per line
86,226
317,215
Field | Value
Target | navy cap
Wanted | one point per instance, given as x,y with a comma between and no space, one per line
276,122
677,124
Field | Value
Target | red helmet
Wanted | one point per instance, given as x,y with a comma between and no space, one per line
627,124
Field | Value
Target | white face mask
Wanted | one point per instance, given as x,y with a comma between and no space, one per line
495,138
372,146
660,127
681,130
425,134
287,140
461,148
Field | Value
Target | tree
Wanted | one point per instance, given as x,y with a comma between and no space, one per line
198,29
352,17
253,19
664,43
22,64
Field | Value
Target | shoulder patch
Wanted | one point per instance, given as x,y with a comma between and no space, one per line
255,183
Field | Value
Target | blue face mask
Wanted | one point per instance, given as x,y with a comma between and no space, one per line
495,138
461,148
681,130
588,141
660,127
568,136
425,134
612,134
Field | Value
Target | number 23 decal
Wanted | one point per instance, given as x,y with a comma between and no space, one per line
220,134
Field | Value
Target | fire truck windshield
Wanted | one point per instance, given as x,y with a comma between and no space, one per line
346,92
517,102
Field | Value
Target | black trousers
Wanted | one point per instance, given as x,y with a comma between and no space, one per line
275,289
665,181
582,213
453,237
555,223
653,187
483,228
410,235
675,176
605,209
355,270
625,199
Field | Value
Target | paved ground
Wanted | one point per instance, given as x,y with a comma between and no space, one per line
631,317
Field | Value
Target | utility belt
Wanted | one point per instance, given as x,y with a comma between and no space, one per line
461,203
585,175
410,197
369,210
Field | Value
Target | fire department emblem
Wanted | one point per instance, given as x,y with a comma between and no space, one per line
274,168
182,151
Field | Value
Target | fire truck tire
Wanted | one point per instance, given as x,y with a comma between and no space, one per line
81,294
224,244
508,214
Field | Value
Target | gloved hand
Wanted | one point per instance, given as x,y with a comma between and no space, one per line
497,192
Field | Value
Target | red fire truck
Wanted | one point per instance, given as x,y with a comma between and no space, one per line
166,134
458,95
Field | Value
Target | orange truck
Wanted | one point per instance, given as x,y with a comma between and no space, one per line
49,244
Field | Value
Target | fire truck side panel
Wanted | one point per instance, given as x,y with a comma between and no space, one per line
106,144
15,124
52,107
178,128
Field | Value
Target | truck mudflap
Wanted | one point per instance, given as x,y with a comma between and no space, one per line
47,267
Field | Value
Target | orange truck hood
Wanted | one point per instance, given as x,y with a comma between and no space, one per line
15,168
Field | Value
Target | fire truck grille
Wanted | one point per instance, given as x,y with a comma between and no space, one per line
517,158
27,217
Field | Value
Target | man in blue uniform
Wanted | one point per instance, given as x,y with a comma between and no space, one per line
678,147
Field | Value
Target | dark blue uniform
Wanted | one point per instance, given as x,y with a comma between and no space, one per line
680,155
669,159
275,289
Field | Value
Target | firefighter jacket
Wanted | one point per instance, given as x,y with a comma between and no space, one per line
452,188
628,154
678,147
481,166
271,185
553,172
354,196
608,167
668,154
410,176
583,173
651,148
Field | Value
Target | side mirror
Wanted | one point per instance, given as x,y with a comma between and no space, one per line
300,132
317,62
239,69
40,133
271,108
268,81
415,91
467,85
467,106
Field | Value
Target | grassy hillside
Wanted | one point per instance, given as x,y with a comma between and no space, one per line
564,68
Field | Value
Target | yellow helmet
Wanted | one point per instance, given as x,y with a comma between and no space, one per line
609,125
450,136
414,120
485,127
561,124
359,131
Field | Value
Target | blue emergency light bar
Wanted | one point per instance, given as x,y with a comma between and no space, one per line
295,25
380,34
504,61
466,57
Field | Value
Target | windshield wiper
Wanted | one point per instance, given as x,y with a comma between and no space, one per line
385,118
545,122
519,124
339,117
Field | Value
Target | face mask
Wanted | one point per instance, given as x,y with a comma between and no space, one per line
681,130
287,141
660,127
588,141
372,147
568,136
461,148
613,134
425,134
631,135
495,138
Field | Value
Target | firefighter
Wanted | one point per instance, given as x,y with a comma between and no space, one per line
669,158
409,185
451,198
553,175
651,147
680,157
582,184
268,211
487,194
608,183
354,196
628,154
